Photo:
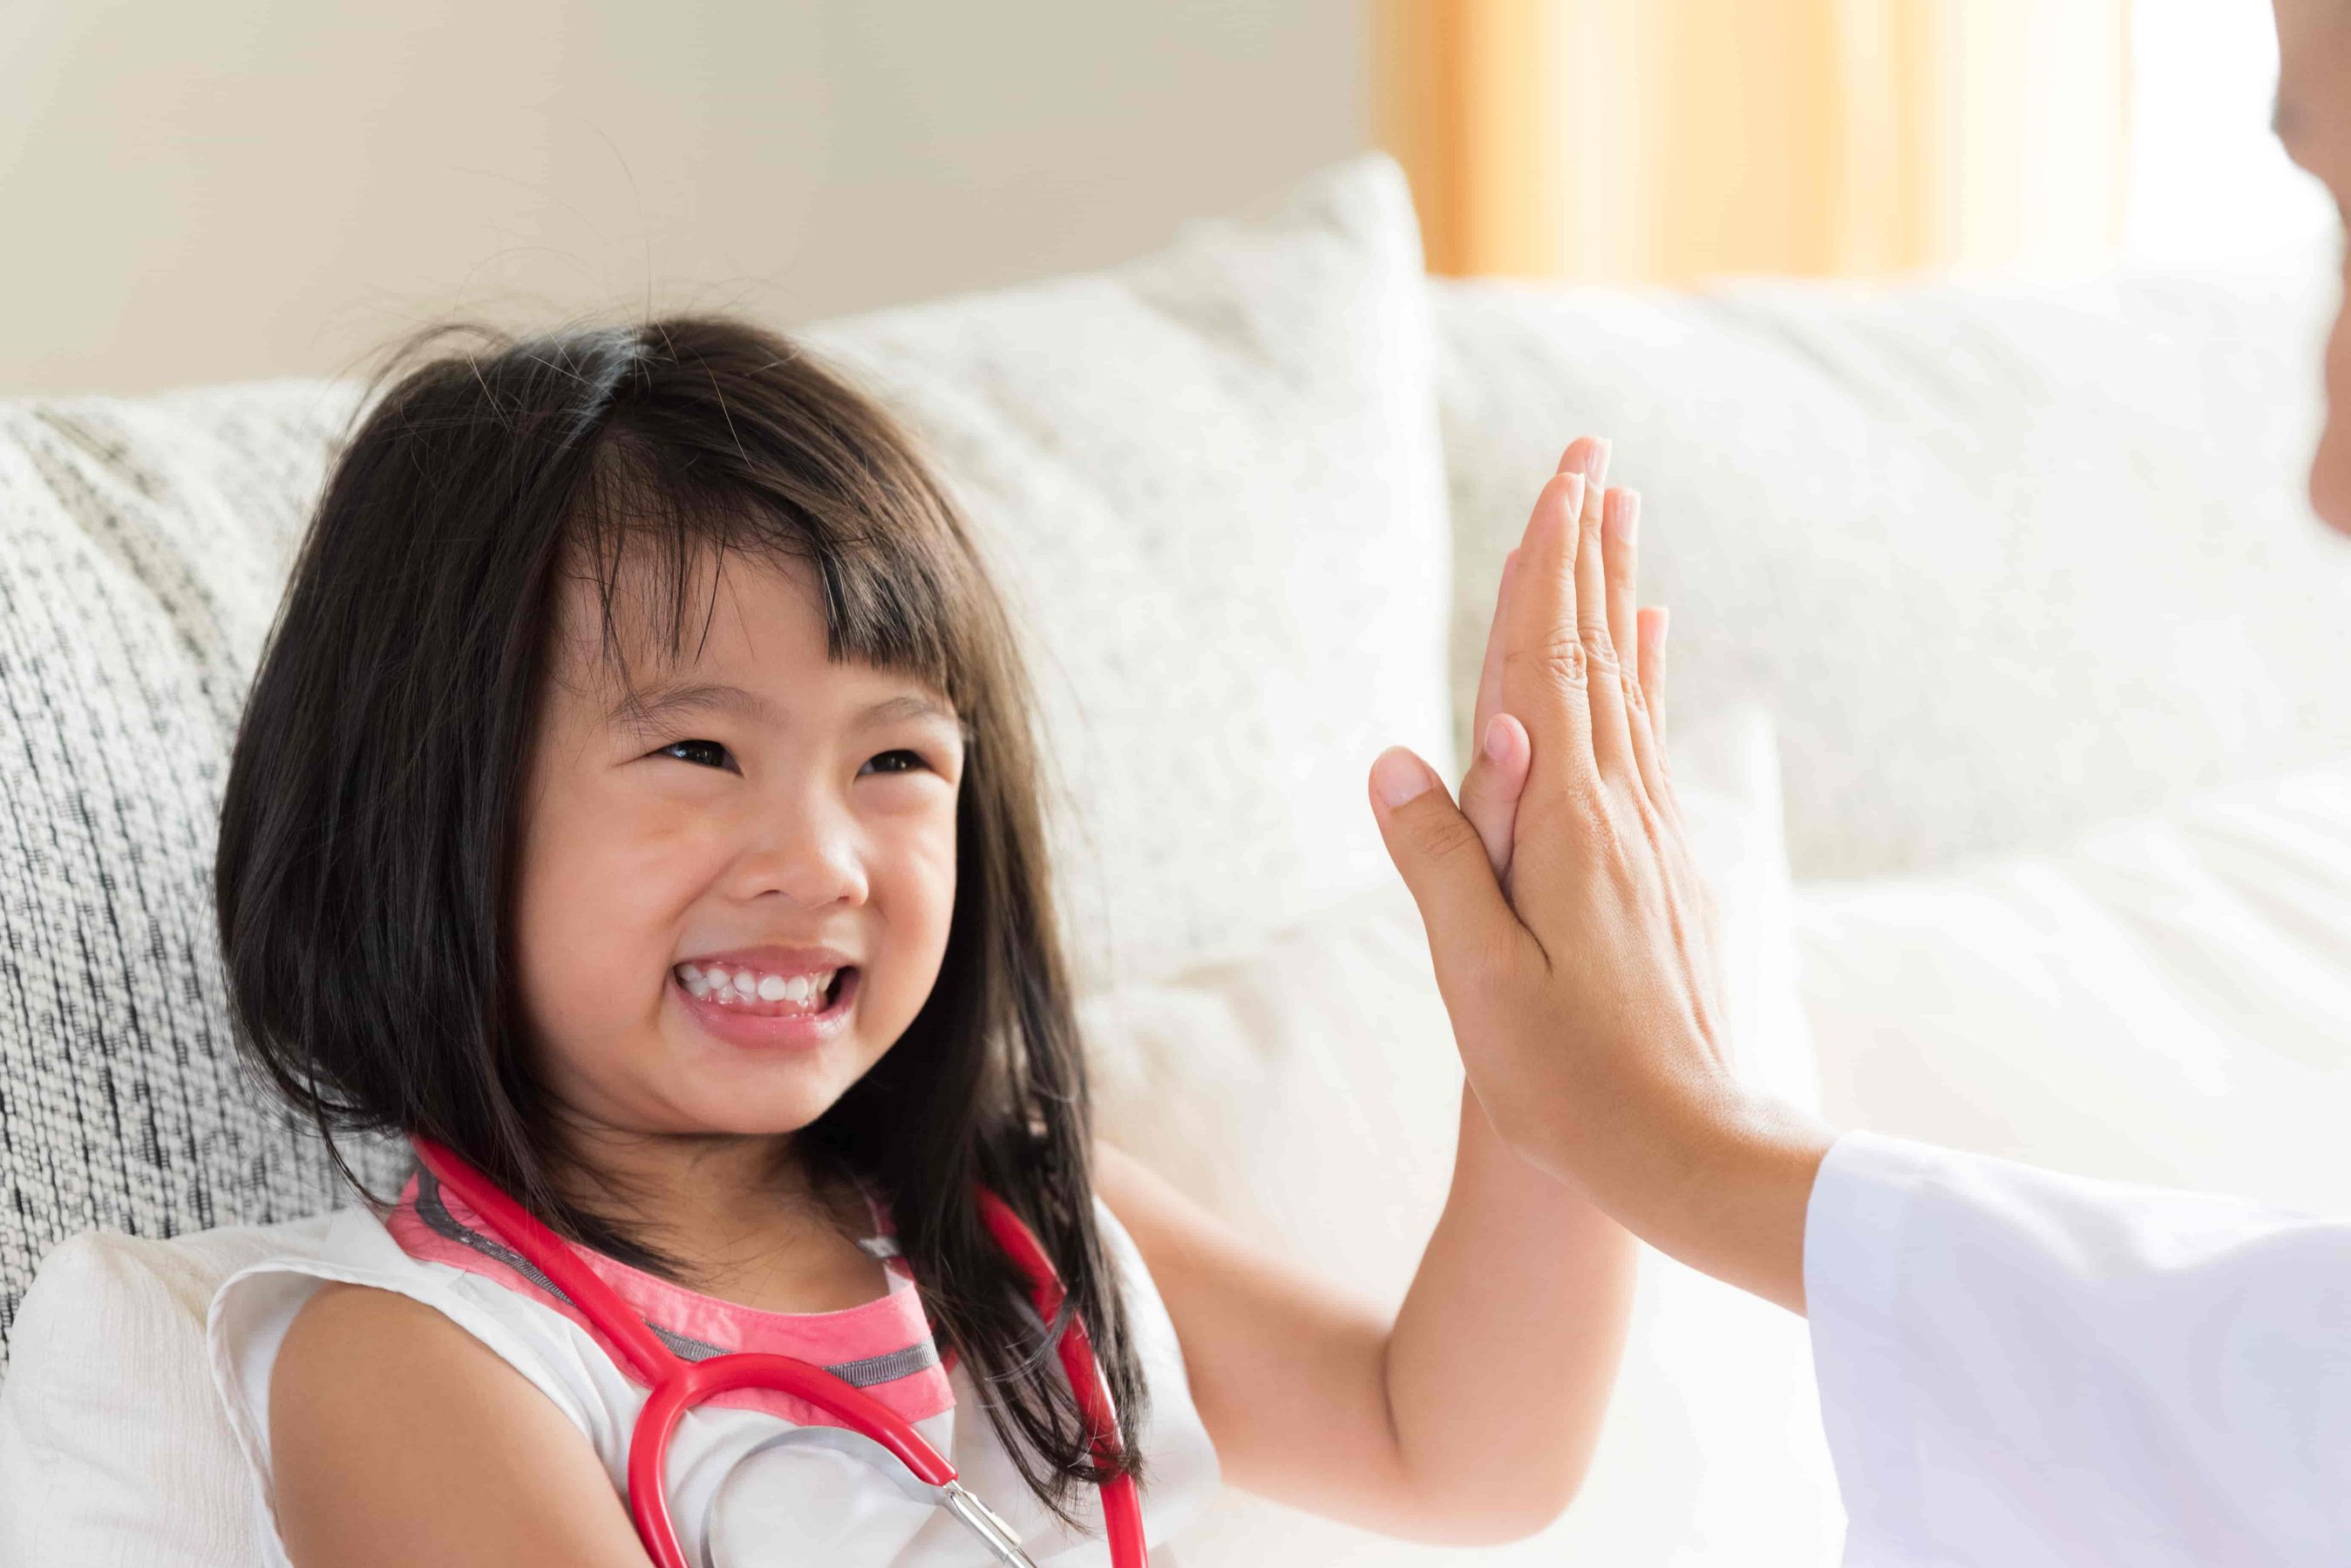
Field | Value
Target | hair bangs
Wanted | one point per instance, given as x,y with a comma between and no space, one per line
649,526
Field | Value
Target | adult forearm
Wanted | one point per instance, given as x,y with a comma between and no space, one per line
1722,1184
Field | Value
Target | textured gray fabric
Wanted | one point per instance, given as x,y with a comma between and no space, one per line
141,549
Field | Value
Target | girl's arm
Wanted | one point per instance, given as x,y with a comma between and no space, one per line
396,1437
1469,1418
1472,1417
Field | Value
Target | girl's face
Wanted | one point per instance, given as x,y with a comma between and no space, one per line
731,905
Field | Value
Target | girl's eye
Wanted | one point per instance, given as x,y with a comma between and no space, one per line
899,761
696,751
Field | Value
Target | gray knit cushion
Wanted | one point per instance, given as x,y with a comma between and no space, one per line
142,546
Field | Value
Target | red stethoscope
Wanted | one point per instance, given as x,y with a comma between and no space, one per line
677,1384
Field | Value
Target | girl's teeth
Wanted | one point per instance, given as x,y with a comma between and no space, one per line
716,983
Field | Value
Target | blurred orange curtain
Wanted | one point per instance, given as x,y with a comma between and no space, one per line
1672,140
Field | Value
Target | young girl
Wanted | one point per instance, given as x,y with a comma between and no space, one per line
638,796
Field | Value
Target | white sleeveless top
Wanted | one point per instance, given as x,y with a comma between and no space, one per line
746,1491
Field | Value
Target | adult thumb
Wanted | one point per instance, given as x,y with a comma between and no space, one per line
1443,861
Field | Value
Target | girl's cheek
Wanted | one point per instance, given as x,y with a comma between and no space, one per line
660,850
937,859
601,884
919,902
639,843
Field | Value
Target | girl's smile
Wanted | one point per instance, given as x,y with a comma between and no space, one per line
769,996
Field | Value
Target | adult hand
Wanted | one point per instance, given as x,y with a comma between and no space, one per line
1582,980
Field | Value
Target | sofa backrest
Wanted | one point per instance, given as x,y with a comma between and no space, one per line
2002,563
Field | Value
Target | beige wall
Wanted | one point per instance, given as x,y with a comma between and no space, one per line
207,189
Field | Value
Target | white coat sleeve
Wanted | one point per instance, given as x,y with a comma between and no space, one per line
2019,1368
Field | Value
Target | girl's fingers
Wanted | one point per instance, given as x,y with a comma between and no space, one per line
1652,637
1489,674
1490,791
1497,770
1644,691
1611,741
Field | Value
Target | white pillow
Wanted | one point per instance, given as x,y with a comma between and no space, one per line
1310,1095
1930,527
113,1445
2166,1001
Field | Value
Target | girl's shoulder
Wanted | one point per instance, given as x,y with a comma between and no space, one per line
348,1262
375,1399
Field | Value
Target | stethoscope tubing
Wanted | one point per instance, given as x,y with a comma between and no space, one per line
1122,1508
677,1385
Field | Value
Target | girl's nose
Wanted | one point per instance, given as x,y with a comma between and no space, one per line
812,862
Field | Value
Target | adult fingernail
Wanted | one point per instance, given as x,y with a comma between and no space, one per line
1399,776
1626,515
1596,461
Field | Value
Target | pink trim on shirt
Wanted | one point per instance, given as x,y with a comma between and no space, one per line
890,1325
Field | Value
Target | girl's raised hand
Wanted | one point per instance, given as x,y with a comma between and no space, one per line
1577,963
